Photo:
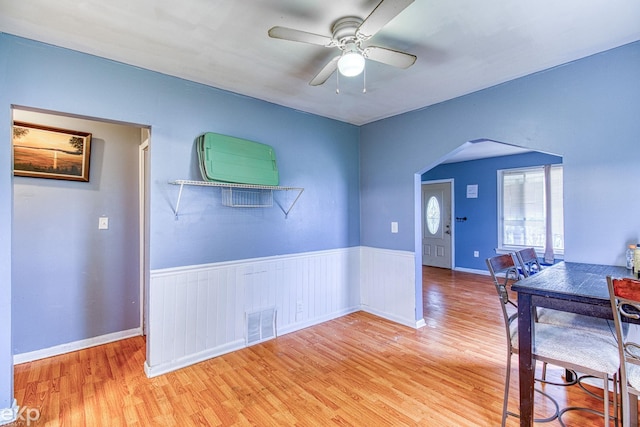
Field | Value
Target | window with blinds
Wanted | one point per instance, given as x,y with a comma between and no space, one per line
522,206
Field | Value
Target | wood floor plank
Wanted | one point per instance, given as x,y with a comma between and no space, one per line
358,370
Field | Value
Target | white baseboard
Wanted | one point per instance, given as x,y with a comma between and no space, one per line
183,362
472,270
315,321
406,322
9,415
74,346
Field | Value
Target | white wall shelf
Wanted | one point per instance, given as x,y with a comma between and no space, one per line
242,195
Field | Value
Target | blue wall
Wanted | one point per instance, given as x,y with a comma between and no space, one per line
480,231
313,152
585,111
316,153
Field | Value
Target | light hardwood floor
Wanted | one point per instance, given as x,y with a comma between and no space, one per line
358,370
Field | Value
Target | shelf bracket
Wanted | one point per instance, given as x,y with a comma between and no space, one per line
286,211
178,201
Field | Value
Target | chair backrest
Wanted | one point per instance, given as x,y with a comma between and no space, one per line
528,260
625,302
504,272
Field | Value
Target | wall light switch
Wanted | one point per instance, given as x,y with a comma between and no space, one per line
103,223
394,227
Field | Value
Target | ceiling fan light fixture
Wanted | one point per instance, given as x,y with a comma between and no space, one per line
351,64
348,34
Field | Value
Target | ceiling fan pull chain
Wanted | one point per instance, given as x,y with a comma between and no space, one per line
364,80
337,83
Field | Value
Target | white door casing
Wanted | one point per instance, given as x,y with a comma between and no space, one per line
143,200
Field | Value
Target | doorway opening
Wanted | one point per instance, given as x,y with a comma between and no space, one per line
78,258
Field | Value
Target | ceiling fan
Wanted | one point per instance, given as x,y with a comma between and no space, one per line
348,35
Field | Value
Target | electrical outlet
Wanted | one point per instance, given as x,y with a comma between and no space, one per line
299,307
476,254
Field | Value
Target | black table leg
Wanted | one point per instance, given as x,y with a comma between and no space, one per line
526,365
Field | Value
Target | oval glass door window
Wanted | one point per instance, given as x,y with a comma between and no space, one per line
433,215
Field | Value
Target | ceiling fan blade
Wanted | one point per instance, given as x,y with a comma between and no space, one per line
389,56
300,36
381,15
326,72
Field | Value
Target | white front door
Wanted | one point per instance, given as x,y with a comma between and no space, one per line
436,225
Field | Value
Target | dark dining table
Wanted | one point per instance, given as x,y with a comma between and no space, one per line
566,286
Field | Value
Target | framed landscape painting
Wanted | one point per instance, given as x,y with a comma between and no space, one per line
47,152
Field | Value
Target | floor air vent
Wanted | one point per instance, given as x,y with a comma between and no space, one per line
261,325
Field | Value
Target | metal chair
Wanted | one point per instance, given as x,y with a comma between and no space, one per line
625,302
576,349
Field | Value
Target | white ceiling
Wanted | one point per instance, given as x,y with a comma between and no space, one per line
462,45
482,149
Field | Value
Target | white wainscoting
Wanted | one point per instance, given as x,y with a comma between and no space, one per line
197,312
387,285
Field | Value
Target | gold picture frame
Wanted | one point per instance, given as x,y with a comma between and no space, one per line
48,152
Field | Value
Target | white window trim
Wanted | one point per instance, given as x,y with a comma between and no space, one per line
505,249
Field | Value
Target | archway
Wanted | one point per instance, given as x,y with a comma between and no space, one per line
472,169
